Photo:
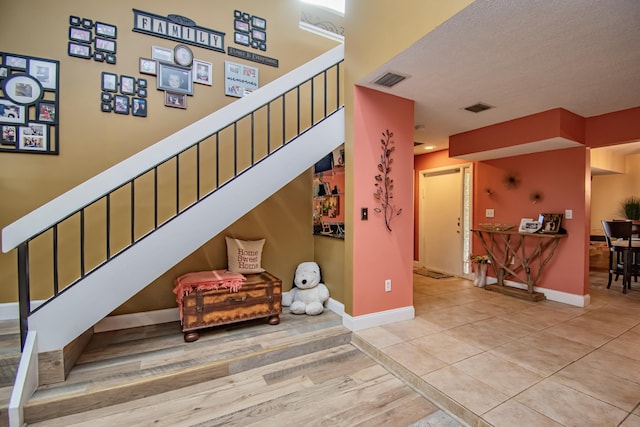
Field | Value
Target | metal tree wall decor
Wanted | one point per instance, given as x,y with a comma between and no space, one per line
384,183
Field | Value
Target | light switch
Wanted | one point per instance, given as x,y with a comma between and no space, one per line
364,214
489,213
568,214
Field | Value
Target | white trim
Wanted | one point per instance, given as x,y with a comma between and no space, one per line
11,310
26,381
136,320
335,306
377,319
553,295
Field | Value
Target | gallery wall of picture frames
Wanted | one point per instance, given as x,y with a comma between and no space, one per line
29,101
123,95
92,40
249,30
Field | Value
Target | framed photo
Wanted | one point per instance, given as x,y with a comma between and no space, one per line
259,35
528,225
142,82
12,113
241,38
239,25
237,14
139,107
106,30
161,54
550,222
127,85
80,50
246,16
121,104
105,45
111,58
175,79
22,89
46,72
87,23
203,72
182,55
148,66
33,137
4,72
109,82
106,97
47,112
79,34
176,100
142,92
15,62
74,20
8,135
257,22
106,107
98,56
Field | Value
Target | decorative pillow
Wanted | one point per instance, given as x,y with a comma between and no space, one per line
244,256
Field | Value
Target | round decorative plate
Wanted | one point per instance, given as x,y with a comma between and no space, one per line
182,55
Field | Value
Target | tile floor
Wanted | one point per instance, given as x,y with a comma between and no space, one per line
495,360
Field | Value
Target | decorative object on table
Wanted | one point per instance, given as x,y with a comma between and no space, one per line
528,225
308,294
480,263
630,208
384,182
511,180
550,223
489,226
535,197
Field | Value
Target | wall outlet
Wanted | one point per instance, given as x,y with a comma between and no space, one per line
489,213
568,214
387,285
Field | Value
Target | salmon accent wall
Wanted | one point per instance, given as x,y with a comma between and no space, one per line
613,128
536,127
377,253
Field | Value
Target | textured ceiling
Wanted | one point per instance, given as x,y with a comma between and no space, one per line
522,57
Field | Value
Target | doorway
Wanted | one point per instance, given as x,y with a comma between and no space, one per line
445,219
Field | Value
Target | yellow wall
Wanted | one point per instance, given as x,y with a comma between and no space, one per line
91,141
608,192
375,31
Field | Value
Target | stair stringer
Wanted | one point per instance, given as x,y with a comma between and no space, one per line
77,309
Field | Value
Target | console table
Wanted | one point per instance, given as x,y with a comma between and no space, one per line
522,256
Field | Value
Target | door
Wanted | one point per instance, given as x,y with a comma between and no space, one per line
444,219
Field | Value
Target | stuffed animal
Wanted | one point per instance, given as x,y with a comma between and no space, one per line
308,294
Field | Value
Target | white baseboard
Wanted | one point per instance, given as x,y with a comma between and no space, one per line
558,296
335,306
376,319
134,320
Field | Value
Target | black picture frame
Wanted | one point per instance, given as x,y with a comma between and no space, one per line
142,83
47,112
79,50
106,107
109,82
106,30
111,58
127,85
106,97
142,92
98,56
550,223
139,107
87,23
121,104
104,45
237,14
16,62
78,34
8,134
75,20
257,22
174,78
4,72
240,25
241,38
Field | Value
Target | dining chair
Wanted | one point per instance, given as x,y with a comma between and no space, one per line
622,252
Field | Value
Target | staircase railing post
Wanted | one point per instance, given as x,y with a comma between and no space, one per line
24,298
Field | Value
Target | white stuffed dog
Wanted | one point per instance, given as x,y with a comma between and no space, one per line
308,294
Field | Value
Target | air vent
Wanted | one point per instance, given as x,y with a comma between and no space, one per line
479,107
389,79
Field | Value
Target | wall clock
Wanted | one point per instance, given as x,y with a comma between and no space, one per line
182,55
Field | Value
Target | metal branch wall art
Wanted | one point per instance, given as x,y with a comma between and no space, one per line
384,183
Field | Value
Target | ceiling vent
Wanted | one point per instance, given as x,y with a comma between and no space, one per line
479,107
390,79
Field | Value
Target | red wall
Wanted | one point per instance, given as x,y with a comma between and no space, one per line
377,253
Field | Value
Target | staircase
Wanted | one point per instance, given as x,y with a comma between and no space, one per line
302,120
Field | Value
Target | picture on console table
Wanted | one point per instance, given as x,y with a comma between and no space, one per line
550,222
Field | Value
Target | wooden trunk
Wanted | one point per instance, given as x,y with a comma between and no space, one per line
259,297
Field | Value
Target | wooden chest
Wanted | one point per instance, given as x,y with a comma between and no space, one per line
259,297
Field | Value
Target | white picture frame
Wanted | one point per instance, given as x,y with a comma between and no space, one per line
528,225
202,72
